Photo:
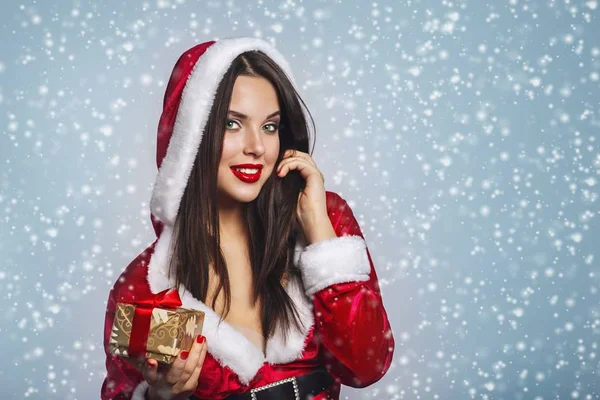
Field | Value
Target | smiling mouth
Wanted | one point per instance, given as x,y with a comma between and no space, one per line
247,175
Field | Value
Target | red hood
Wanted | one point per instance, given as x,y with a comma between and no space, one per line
188,99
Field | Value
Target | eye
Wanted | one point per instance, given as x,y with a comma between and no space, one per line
228,121
274,127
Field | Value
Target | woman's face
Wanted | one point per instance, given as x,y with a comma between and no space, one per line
251,137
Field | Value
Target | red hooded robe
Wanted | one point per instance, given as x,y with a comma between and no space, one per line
338,297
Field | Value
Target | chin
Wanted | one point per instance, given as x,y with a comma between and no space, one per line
242,195
245,198
233,190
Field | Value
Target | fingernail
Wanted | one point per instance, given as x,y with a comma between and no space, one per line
200,339
184,355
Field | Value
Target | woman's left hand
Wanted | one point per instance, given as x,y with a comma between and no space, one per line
312,201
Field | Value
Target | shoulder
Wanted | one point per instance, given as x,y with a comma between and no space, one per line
335,202
337,205
133,279
341,215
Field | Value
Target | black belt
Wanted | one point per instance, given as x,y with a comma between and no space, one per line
294,388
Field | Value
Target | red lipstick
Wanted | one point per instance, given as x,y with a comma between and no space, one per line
246,176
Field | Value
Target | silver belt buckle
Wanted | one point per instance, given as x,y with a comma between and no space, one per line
281,382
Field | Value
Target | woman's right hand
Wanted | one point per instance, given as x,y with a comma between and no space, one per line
178,380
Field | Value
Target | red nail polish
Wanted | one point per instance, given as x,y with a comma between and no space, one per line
200,339
184,355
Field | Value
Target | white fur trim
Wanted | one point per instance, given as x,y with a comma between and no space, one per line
196,101
226,344
158,267
140,391
279,352
336,260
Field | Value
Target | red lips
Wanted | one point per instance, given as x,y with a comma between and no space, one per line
246,177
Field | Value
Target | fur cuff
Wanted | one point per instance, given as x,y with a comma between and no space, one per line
336,260
140,391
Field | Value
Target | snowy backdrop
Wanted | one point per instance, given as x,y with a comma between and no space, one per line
464,134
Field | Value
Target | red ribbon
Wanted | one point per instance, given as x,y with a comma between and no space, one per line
142,317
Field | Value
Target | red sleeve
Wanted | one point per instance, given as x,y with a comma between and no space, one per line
121,378
351,321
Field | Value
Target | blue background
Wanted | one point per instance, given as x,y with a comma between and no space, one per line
464,135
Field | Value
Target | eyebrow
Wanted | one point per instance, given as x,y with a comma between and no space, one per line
245,117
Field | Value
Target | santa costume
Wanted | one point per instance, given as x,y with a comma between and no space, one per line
346,328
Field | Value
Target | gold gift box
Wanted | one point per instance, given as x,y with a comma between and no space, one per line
171,331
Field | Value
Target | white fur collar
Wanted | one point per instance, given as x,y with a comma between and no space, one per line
226,344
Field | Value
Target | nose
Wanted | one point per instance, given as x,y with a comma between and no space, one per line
253,144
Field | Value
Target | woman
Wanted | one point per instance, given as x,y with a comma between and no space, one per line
248,234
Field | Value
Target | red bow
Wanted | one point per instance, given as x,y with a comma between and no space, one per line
142,317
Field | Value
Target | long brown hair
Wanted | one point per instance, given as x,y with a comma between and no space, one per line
270,218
